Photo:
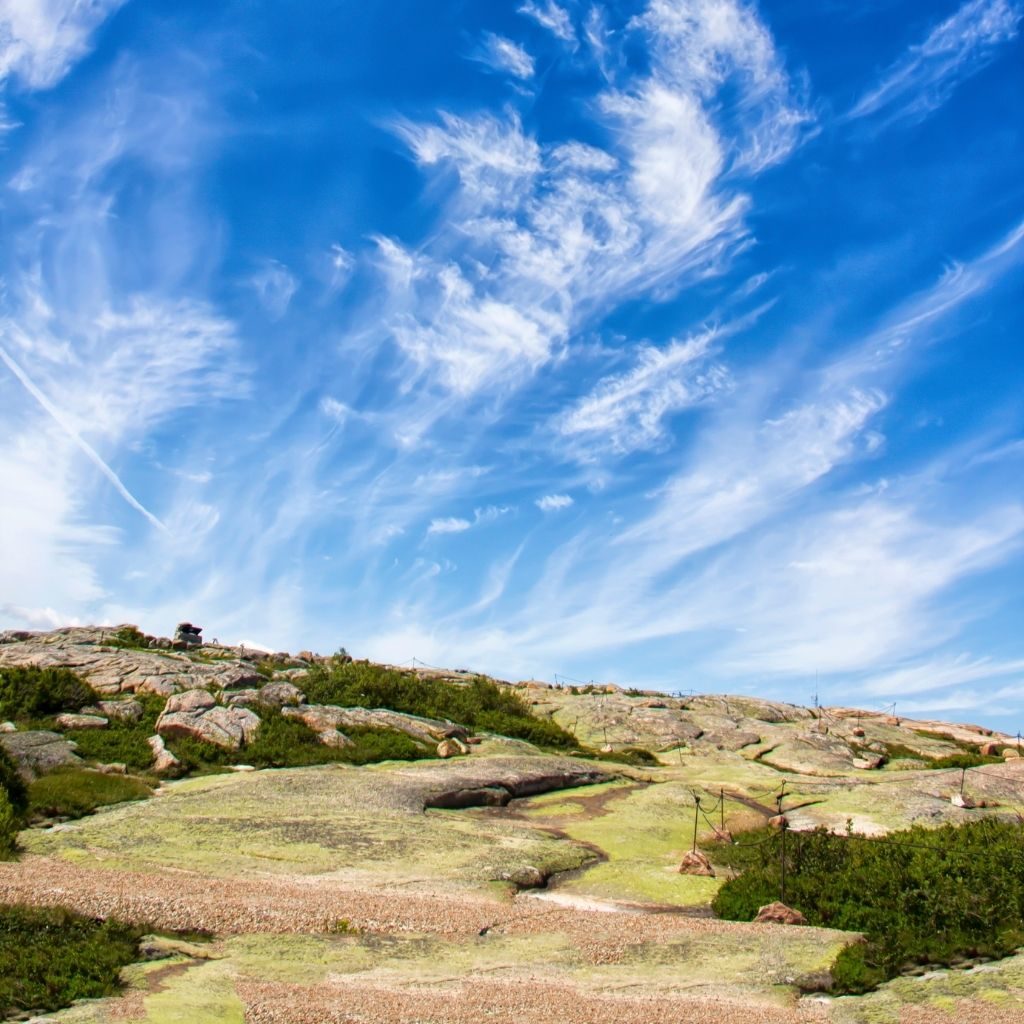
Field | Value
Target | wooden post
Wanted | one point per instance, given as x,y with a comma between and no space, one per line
696,811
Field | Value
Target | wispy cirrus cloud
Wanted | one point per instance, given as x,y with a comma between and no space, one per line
505,56
551,16
540,239
928,73
630,410
41,39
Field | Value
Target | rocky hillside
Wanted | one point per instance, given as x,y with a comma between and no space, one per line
437,846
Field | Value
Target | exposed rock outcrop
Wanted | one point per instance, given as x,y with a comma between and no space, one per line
38,751
322,718
164,762
196,715
73,721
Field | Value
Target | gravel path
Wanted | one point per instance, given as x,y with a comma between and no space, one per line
530,1001
185,902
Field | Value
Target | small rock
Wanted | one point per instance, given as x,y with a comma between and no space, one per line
991,749
8,727
960,800
70,721
114,768
1009,754
164,762
778,821
868,763
722,835
779,913
447,748
696,863
333,738
242,768
607,749
474,740
858,731
525,876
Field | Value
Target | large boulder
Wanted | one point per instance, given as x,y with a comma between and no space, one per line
279,695
36,752
196,715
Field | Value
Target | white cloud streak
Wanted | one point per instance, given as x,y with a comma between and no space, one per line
41,39
551,16
505,56
928,73
554,502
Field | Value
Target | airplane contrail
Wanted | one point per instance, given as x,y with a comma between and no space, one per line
84,445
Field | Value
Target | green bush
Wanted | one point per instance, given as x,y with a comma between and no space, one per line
919,896
12,784
128,638
477,704
51,957
29,692
122,741
636,756
74,792
10,825
965,760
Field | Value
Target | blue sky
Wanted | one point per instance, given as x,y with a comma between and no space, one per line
676,343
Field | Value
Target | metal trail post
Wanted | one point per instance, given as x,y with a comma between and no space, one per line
696,811
782,872
721,808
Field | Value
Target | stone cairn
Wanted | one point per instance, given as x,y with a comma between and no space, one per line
187,635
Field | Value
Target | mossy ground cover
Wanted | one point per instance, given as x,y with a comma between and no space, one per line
205,992
366,823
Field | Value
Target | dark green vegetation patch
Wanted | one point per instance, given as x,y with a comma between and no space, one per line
479,703
27,693
74,792
51,957
920,896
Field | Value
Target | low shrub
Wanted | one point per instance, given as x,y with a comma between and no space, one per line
51,957
635,756
74,792
10,826
12,785
122,741
478,704
919,895
128,638
27,692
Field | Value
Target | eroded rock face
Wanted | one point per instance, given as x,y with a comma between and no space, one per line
39,751
196,715
280,695
112,670
164,762
322,718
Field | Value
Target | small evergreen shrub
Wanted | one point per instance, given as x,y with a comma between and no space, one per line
27,692
50,957
919,896
128,638
12,784
122,741
10,825
75,792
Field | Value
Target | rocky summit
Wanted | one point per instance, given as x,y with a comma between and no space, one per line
311,839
